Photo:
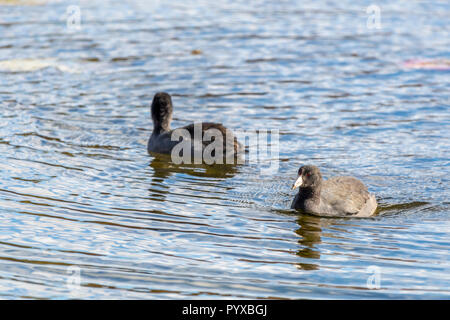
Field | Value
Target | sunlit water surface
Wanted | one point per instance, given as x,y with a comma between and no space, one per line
79,195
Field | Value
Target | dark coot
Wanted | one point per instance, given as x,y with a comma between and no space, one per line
161,140
335,197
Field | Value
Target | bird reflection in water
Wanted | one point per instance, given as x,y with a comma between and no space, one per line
310,231
164,168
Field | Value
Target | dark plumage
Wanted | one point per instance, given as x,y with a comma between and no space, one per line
335,197
161,139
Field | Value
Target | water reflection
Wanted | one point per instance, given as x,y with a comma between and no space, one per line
163,168
310,232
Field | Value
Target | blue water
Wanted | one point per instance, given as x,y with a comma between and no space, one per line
87,213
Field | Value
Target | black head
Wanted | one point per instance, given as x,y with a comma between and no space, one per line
308,176
162,111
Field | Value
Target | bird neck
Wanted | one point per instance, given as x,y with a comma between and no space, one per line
311,192
160,127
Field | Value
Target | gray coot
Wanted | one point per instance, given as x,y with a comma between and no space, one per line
335,197
161,139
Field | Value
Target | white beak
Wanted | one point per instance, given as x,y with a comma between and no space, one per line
297,183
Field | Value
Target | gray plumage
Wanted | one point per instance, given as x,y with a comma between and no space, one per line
335,197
